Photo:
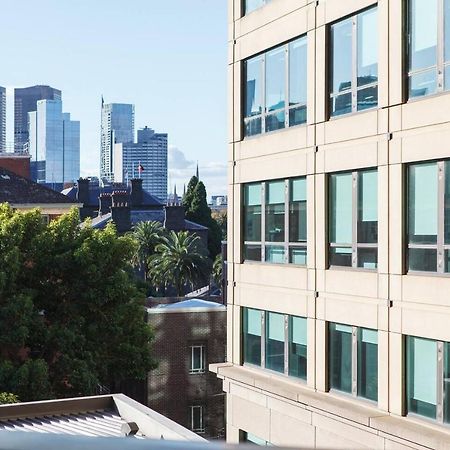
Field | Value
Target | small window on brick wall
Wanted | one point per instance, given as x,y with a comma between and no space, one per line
197,359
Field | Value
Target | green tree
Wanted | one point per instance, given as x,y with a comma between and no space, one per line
221,218
197,210
147,235
179,261
6,398
77,314
217,270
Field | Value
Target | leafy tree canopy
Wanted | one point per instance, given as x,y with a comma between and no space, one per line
70,314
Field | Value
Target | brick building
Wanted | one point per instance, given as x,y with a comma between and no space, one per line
189,335
18,163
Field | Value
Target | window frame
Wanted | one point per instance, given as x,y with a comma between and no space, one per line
201,428
201,369
244,7
264,111
354,358
286,244
440,65
441,247
354,245
440,392
286,319
354,88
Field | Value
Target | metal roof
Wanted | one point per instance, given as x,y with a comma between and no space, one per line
196,304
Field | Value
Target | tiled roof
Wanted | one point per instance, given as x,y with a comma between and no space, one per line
15,189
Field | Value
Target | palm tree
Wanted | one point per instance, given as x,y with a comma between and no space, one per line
217,270
180,259
147,235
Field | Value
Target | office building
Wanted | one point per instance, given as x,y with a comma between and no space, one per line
117,126
25,101
2,119
54,145
338,234
146,159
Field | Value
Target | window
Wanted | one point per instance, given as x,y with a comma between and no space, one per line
353,219
429,217
197,359
196,418
250,5
275,221
250,438
428,378
283,347
353,360
429,47
276,88
354,63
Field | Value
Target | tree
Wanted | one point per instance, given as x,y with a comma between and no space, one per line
197,210
148,236
221,218
179,260
7,398
77,315
217,270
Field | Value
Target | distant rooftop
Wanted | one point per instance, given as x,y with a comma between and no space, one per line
196,304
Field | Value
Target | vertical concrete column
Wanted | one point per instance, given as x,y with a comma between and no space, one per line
383,370
321,356
396,374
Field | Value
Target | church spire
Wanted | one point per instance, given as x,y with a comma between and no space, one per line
197,174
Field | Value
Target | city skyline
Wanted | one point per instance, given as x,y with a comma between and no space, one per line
173,71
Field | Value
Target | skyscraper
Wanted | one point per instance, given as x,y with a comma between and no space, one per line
54,144
2,119
117,127
25,100
150,154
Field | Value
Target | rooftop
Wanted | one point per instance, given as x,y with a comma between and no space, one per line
191,305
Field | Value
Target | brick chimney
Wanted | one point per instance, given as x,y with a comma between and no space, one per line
137,194
104,203
83,191
121,211
174,217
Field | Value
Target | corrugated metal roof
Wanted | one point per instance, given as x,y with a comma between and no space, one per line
93,423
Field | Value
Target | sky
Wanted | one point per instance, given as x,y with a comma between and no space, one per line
167,57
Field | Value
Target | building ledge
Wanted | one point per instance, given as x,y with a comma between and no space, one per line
338,406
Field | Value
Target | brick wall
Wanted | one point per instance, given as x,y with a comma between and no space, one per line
20,165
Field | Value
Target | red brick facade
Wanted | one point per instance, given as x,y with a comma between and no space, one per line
19,164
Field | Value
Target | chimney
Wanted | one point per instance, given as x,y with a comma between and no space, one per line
120,211
83,191
174,217
137,194
105,202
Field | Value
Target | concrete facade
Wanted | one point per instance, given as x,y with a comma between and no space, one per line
280,409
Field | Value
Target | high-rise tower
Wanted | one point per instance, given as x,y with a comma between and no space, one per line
25,101
117,127
2,119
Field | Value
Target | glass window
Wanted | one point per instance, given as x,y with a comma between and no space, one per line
275,341
421,373
285,102
353,360
252,439
446,377
353,219
297,347
251,5
275,244
354,63
252,336
197,359
197,422
340,357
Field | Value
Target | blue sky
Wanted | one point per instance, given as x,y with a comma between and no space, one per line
167,57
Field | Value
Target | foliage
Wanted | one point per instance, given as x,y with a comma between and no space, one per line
221,218
7,398
77,315
147,236
217,270
197,210
179,260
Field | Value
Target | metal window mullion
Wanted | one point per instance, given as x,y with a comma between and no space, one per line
286,344
263,339
286,220
441,207
286,89
263,221
263,97
440,45
354,361
354,219
354,63
440,382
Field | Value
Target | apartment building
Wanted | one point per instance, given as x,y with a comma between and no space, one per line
339,224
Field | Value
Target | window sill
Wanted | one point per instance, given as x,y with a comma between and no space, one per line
264,263
353,269
426,97
353,114
271,133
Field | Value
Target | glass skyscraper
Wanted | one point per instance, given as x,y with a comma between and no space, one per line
25,101
2,119
117,127
150,152
54,144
